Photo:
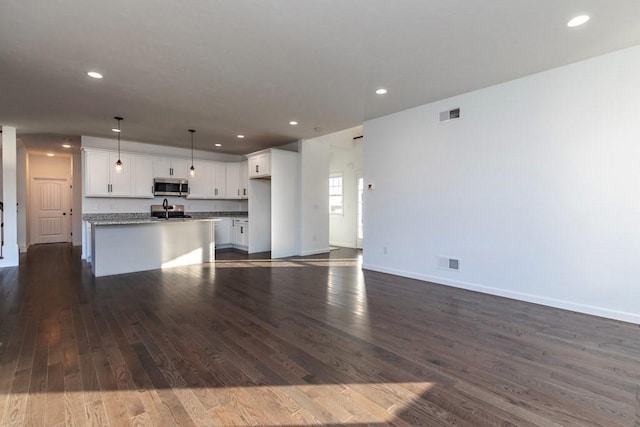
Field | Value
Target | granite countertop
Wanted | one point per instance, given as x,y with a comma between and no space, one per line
147,221
142,218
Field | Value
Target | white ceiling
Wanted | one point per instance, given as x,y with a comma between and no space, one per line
237,66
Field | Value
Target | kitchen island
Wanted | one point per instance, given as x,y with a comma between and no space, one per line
137,244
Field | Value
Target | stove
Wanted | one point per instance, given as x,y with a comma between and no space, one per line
172,211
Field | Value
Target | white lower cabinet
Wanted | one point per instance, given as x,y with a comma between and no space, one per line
241,234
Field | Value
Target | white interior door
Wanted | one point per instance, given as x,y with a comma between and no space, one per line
50,210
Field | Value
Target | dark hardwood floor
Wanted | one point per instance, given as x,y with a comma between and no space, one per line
304,341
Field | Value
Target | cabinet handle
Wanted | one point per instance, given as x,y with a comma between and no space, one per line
257,168
170,171
152,189
244,191
241,230
238,191
216,192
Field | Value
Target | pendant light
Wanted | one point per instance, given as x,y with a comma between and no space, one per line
192,170
119,165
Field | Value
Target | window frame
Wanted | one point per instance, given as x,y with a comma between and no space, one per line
332,176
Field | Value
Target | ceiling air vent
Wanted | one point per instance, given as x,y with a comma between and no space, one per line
454,114
446,263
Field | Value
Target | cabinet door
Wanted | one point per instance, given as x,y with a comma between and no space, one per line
120,181
161,168
96,173
219,180
244,180
233,181
241,230
142,179
201,183
260,166
180,168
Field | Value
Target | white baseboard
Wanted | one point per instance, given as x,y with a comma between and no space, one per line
315,252
536,299
343,245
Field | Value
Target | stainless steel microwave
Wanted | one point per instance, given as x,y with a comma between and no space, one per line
170,187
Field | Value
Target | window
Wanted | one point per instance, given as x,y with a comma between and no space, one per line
335,194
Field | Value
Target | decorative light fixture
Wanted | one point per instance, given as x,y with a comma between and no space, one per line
381,91
119,165
293,123
94,74
240,136
218,145
192,170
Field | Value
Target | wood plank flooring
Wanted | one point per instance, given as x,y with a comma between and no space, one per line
304,341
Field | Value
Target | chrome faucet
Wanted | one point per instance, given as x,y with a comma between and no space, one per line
165,205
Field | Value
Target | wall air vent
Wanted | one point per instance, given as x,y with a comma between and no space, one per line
454,114
446,263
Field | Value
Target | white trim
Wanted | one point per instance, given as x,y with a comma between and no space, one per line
521,296
343,245
315,252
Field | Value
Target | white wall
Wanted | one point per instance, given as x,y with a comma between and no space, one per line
536,189
76,219
285,204
10,251
345,158
21,187
314,202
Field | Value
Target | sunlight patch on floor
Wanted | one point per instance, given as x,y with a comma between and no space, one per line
286,405
266,263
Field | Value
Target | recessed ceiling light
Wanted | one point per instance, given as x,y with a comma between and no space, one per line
50,154
218,145
95,74
381,91
116,130
578,20
240,136
293,123
66,145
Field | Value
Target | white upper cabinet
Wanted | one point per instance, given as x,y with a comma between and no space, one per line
259,165
244,180
171,168
142,177
101,178
219,180
201,183
233,181
212,179
209,181
237,180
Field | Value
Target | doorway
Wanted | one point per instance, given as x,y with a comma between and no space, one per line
50,219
